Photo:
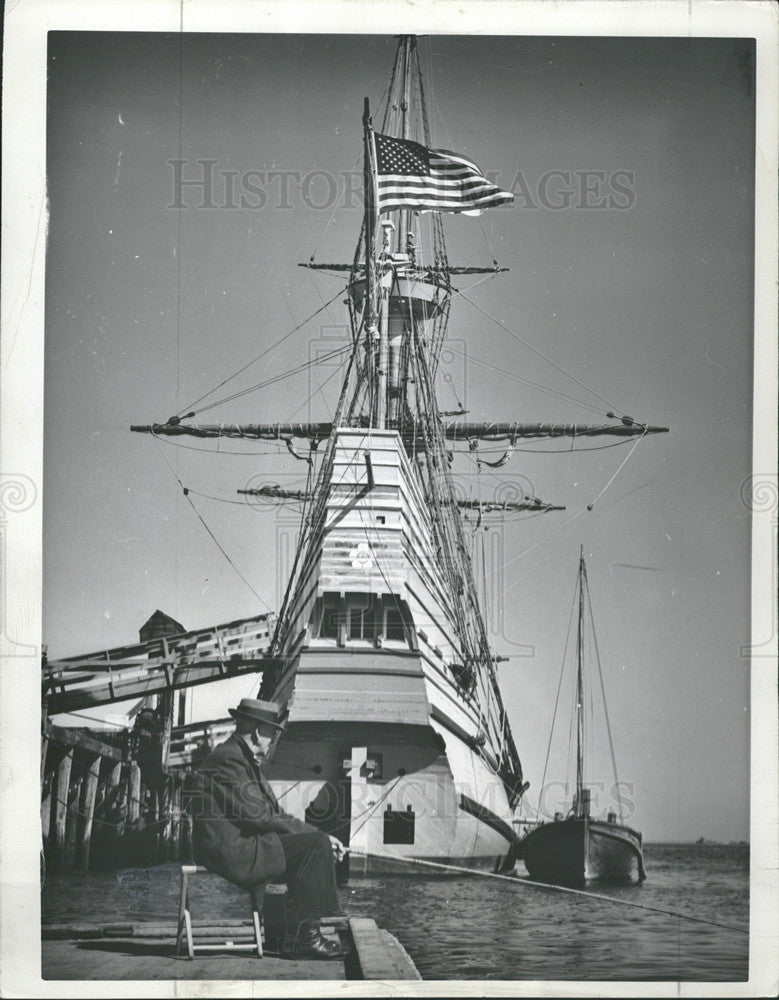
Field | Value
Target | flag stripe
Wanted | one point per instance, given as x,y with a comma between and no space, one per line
442,204
447,156
439,177
426,184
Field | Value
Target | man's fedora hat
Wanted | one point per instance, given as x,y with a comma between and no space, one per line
262,712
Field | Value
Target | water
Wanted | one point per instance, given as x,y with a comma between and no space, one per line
484,929
472,928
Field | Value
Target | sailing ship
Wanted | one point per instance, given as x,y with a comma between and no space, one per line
397,737
579,848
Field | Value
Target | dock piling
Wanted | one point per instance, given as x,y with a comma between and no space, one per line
90,794
72,821
62,790
47,784
133,793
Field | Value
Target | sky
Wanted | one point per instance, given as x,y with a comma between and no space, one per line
643,299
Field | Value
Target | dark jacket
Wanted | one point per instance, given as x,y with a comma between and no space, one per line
236,817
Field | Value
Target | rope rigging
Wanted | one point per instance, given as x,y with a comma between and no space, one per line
636,443
556,704
336,206
551,451
446,522
213,537
603,691
347,361
535,350
248,364
173,443
522,380
312,518
449,538
337,352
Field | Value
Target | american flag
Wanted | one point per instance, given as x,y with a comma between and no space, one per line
411,176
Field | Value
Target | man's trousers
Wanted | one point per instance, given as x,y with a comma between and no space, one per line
310,878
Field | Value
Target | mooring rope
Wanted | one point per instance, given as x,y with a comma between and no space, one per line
544,885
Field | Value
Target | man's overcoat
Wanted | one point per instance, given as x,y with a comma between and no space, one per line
237,819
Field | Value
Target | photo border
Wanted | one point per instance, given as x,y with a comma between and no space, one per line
21,433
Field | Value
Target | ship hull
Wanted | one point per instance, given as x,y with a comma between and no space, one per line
392,793
576,851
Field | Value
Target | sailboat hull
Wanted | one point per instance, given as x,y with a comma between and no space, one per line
575,851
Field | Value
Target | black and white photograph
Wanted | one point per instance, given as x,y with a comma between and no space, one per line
389,499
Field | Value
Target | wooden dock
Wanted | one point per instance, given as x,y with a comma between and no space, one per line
116,795
147,951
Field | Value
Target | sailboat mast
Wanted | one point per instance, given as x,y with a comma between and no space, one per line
580,694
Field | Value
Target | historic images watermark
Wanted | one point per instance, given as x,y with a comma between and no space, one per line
321,798
204,184
615,796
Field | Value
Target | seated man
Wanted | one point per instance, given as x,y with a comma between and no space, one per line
240,832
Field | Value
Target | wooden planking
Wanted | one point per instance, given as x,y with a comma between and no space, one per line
114,780
351,522
75,739
139,959
242,630
79,691
381,956
84,930
368,684
47,786
64,960
327,705
359,658
72,821
412,567
185,740
44,742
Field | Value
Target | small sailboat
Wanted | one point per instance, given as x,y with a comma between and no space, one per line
575,849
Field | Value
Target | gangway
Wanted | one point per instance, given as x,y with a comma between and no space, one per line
157,665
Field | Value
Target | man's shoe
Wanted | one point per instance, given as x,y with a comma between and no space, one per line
311,943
